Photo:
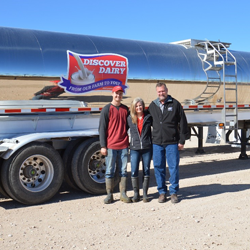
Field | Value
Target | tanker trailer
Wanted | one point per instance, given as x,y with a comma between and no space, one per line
53,86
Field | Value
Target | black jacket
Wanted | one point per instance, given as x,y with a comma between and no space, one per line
144,141
169,127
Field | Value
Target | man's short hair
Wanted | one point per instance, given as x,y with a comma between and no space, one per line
160,84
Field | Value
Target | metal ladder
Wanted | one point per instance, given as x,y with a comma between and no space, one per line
220,66
213,72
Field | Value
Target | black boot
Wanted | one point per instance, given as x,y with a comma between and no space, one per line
135,185
122,186
109,188
145,188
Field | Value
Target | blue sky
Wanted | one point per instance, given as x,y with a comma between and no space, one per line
147,20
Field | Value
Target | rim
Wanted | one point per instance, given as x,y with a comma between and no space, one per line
36,173
97,167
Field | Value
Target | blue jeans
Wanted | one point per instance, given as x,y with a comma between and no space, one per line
136,156
160,155
116,156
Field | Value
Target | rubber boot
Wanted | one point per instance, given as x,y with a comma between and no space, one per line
109,188
135,185
145,186
122,186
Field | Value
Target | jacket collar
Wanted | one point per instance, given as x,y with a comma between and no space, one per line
168,100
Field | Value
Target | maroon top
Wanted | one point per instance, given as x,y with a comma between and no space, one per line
113,127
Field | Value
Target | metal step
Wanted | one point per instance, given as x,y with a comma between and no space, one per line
215,68
211,57
215,56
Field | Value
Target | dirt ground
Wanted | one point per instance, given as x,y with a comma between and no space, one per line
213,212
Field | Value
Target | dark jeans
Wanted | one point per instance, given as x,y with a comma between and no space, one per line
160,155
136,156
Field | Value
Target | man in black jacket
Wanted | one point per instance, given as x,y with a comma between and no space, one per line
170,130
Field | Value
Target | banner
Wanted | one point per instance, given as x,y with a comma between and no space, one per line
94,73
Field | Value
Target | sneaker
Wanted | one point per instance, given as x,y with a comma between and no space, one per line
162,198
174,198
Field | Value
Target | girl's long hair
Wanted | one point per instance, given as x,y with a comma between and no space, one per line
132,108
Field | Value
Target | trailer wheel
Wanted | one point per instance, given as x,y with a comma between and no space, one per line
91,168
67,161
78,155
2,191
33,174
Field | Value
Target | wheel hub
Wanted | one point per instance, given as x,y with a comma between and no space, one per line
29,171
97,167
36,173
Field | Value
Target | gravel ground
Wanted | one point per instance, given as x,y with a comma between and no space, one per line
213,212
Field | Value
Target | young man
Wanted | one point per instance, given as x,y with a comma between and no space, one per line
114,143
170,130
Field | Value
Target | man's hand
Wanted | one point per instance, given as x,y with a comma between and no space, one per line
104,151
180,146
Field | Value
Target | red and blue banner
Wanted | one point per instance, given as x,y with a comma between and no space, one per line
94,73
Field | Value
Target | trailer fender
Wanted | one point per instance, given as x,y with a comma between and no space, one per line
10,146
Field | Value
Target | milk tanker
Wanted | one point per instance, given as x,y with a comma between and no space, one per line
53,86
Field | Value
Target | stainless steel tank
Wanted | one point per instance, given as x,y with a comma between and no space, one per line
31,59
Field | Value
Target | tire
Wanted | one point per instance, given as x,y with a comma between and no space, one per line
91,168
33,174
2,191
79,153
67,161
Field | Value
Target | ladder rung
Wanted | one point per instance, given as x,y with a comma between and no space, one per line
230,76
230,115
229,63
230,102
230,89
216,78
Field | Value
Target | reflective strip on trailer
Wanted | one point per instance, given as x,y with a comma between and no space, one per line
49,110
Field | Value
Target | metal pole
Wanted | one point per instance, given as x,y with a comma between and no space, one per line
243,155
200,149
